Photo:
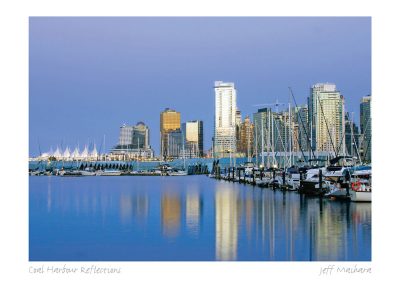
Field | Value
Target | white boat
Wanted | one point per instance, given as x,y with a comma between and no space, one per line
336,191
88,172
335,171
177,173
69,173
361,186
108,172
310,185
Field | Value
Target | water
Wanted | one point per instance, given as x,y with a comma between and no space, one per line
190,218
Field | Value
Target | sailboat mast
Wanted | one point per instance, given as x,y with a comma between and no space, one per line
248,143
262,140
290,137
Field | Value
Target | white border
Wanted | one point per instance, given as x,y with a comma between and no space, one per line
14,147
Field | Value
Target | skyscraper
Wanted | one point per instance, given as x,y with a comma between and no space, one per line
301,118
246,137
134,141
326,118
365,126
174,143
225,119
238,122
193,137
125,135
352,136
170,120
261,129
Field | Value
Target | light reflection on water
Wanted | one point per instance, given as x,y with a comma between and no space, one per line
189,218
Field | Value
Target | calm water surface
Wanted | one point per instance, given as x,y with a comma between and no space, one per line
188,218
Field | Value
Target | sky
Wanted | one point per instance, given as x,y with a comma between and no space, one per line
90,75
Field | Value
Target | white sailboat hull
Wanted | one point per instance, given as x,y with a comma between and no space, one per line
111,173
360,196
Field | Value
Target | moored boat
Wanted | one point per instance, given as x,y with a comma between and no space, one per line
176,172
88,172
108,172
361,186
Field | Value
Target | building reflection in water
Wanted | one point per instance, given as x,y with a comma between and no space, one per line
330,234
193,211
170,214
334,228
226,222
49,195
134,207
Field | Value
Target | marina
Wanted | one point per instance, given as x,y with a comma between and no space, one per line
342,179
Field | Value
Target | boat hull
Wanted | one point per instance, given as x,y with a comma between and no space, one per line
311,188
105,173
357,196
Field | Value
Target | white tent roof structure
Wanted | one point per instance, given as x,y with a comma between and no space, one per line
67,153
57,153
94,152
85,152
76,153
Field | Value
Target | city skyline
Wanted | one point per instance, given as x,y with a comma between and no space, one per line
70,104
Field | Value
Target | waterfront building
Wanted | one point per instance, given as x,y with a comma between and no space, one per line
326,118
365,126
94,154
134,142
301,120
238,118
276,134
174,144
352,136
75,154
261,128
225,119
125,135
246,138
67,153
170,120
85,152
140,136
193,138
238,122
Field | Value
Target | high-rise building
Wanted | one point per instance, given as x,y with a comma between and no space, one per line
174,144
193,138
352,136
365,126
238,122
140,136
261,128
246,138
330,123
225,119
134,141
170,120
326,118
301,118
125,135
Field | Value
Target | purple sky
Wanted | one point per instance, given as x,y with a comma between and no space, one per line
90,75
